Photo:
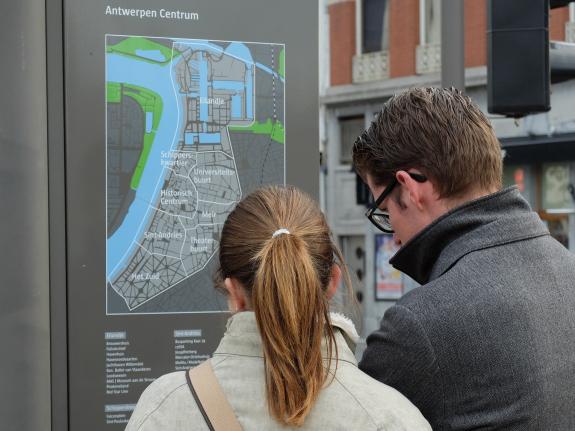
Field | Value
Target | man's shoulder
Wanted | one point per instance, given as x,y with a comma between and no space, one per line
467,284
493,283
426,297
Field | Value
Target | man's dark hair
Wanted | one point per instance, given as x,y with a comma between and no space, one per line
439,131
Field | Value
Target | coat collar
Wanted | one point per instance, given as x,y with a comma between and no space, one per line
243,338
491,220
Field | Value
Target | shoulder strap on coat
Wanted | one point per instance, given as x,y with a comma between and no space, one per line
211,399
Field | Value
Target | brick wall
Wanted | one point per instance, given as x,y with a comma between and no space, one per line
341,41
476,27
475,33
557,19
403,36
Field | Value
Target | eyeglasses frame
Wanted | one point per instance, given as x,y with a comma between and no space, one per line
371,211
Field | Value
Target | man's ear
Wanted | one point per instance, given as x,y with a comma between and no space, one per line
413,188
237,300
333,281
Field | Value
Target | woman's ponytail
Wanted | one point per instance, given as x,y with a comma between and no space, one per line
285,276
292,314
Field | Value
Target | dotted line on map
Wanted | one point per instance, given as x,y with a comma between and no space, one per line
274,115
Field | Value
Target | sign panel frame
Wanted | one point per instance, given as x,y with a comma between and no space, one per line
94,351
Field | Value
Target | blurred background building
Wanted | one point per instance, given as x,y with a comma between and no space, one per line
372,49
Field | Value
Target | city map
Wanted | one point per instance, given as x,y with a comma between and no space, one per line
191,127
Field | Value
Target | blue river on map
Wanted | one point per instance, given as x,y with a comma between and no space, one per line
158,78
154,54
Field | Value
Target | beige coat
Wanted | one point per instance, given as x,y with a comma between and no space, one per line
352,401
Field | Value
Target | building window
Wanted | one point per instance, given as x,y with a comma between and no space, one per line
372,41
558,201
432,22
353,250
428,53
350,129
558,194
570,25
375,26
523,177
550,190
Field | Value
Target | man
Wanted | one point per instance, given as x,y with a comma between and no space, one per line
488,341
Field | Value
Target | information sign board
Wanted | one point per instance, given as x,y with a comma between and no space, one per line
174,111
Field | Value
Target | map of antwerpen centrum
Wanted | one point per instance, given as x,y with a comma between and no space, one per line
191,126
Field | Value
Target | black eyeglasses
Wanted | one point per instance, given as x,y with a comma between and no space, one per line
379,218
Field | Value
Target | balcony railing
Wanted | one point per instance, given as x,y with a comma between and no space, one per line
428,58
373,66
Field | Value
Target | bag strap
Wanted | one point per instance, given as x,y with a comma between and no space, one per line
211,400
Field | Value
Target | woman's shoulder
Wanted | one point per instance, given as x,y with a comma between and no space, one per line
386,406
165,388
164,404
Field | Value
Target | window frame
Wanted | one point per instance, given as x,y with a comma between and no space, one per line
359,7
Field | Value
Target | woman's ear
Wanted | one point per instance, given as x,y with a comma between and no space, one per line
333,281
237,300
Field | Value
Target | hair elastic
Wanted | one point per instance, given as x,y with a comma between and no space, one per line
280,231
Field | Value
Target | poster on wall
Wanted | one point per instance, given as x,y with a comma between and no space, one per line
388,281
557,190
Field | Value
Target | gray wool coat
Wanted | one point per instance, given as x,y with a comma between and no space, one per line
488,341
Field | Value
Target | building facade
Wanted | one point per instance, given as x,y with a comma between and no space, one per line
372,49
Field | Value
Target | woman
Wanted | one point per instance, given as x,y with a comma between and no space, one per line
284,361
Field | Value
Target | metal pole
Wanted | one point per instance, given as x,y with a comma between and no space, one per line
57,214
358,28
24,294
452,44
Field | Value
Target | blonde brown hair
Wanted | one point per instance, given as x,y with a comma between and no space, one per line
437,130
285,278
